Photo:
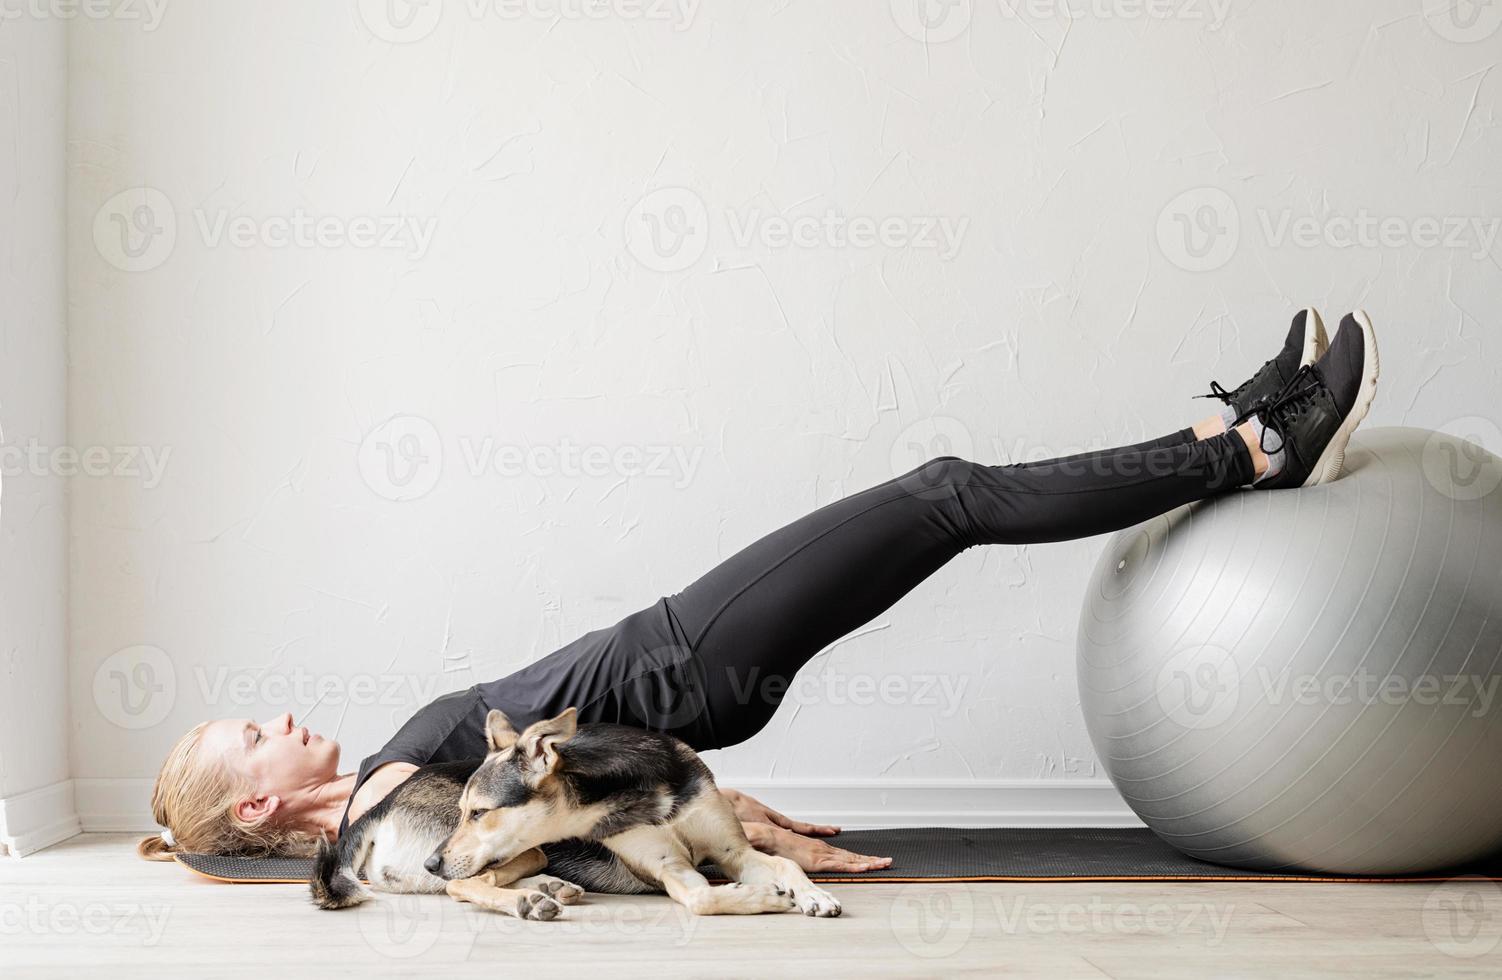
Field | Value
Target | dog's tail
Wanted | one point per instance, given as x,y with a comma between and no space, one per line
334,885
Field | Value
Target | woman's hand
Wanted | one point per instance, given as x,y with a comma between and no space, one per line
748,809
810,854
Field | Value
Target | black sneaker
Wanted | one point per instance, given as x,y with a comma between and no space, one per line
1305,345
1315,414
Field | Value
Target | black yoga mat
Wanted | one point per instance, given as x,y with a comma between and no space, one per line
950,854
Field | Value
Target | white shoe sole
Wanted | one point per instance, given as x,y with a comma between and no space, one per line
1315,341
1333,460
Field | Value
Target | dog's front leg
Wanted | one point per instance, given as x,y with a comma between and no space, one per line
655,854
488,889
521,873
524,904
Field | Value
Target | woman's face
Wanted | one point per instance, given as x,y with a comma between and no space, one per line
278,759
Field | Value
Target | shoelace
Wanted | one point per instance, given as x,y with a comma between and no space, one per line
1279,411
1217,390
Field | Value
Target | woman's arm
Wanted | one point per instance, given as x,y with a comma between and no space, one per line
810,854
775,833
748,809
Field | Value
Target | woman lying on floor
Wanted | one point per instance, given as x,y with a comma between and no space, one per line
710,664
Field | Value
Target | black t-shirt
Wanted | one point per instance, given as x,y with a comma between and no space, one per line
451,729
638,672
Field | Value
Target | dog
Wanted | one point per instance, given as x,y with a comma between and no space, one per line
608,808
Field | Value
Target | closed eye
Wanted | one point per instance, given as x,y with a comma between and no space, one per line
477,814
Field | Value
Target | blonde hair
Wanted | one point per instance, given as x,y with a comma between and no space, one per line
195,799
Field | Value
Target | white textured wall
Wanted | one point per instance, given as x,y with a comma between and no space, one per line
34,728
294,388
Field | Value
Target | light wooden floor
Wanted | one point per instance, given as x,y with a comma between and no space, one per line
88,906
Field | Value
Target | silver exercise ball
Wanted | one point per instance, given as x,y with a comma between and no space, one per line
1311,679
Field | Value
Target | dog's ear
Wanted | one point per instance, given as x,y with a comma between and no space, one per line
498,731
539,743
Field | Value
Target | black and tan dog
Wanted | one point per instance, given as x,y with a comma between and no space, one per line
607,807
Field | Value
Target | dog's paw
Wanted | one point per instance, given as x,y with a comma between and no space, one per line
537,907
817,902
562,892
743,898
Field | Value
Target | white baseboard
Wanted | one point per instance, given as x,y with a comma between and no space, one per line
124,804
36,819
861,803
114,805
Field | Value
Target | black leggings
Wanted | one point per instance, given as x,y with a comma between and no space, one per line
711,663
